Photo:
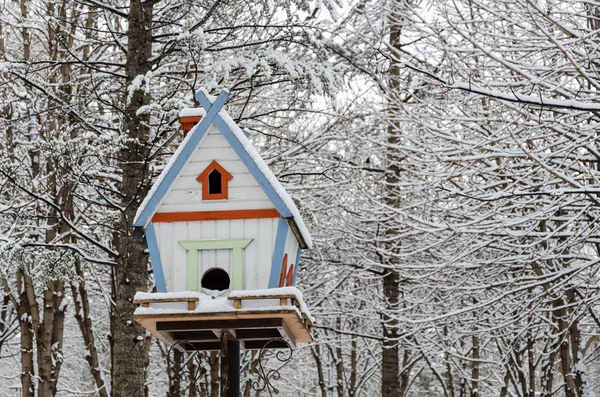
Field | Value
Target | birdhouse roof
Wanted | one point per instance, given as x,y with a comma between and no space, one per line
217,115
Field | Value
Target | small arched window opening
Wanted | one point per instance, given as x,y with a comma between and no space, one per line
216,279
214,180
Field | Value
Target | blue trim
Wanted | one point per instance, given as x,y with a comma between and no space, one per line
296,266
157,269
239,149
202,97
252,167
280,239
195,136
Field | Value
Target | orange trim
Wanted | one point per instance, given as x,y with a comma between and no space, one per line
286,275
188,122
290,276
225,177
215,215
283,271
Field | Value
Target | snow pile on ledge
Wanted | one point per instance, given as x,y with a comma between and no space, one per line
211,304
275,292
142,296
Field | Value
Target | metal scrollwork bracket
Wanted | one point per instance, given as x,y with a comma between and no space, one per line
265,377
190,375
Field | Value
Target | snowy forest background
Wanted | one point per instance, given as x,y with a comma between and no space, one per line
444,154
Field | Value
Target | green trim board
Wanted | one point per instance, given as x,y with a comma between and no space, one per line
193,247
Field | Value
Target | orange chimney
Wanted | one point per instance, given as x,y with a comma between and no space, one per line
189,117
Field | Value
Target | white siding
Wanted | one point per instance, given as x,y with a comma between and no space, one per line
257,255
186,192
291,248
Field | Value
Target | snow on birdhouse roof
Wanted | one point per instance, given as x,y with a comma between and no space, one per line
215,113
192,112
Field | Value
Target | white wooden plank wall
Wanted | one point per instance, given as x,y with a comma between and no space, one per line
291,247
244,191
257,255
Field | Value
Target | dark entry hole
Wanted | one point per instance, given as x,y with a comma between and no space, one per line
216,279
214,182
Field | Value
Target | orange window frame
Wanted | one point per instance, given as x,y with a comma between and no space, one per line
225,178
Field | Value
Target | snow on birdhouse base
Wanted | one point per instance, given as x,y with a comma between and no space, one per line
196,320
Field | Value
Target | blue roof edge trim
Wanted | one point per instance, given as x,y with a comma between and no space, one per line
204,99
157,269
195,136
278,252
252,167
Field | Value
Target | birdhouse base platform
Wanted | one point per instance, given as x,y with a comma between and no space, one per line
196,321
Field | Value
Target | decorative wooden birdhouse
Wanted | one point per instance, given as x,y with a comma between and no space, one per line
224,239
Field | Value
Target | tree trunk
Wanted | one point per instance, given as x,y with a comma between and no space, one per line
130,274
316,353
390,365
81,304
475,367
26,328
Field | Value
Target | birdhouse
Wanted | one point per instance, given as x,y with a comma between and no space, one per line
224,239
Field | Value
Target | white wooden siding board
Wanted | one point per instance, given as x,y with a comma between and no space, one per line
207,257
267,264
233,166
251,270
216,206
265,252
167,248
242,179
269,246
214,141
207,154
247,230
223,258
236,231
164,251
178,268
165,255
235,194
291,247
194,232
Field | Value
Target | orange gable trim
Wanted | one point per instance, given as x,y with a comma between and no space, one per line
225,178
215,215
